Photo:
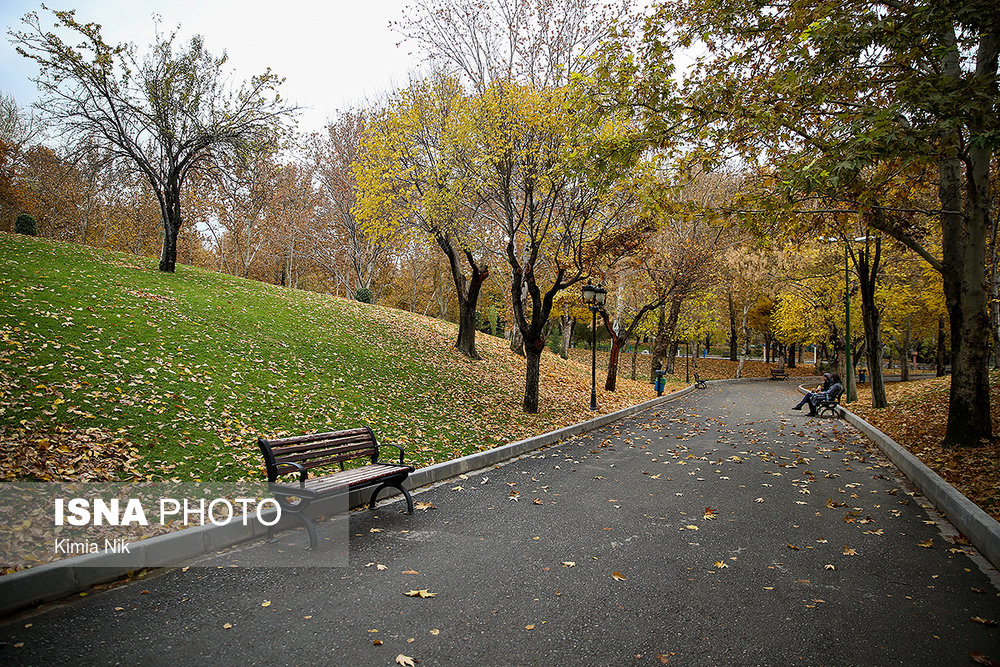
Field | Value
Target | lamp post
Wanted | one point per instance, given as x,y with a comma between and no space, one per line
594,298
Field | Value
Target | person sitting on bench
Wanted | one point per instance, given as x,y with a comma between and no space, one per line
819,397
829,379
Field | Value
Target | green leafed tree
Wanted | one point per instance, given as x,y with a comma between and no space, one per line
831,93
165,115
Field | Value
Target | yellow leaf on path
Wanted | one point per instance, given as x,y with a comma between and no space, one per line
410,572
720,564
618,576
984,621
928,544
405,660
375,530
381,567
569,563
656,476
435,632
265,603
692,527
792,546
422,593
424,506
529,627
829,567
710,514
848,551
227,625
376,642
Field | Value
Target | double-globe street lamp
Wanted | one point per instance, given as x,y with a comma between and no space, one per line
594,297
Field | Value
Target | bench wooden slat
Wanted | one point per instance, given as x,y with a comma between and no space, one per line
324,443
348,478
353,451
312,437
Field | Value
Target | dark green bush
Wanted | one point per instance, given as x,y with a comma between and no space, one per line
364,295
25,224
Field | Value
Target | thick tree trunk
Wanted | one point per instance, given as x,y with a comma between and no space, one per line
964,227
792,348
533,362
672,356
940,360
170,210
516,341
664,337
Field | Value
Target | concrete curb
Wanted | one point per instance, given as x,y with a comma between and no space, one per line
60,579
982,530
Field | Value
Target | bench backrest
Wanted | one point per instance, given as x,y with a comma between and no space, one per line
317,449
835,391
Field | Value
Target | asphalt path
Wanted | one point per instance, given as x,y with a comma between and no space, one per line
719,529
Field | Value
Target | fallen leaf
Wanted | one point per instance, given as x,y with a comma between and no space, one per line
792,546
829,567
227,625
720,564
927,544
422,593
529,627
435,632
405,660
618,576
424,506
692,527
984,659
984,621
710,514
848,551
410,572
569,563
376,642
265,603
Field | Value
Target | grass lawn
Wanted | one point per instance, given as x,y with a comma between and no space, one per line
112,370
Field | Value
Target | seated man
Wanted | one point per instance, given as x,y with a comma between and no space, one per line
827,383
831,394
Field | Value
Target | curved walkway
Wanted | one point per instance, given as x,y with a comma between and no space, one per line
722,528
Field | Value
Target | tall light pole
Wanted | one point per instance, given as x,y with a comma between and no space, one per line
594,298
848,365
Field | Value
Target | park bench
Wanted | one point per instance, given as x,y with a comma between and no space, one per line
303,454
699,383
828,406
778,374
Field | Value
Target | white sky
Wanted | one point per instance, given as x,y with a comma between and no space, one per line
333,54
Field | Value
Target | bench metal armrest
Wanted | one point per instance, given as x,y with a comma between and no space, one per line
302,471
390,444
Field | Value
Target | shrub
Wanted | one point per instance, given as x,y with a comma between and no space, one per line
25,224
364,295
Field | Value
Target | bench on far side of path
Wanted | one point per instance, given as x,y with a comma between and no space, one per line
779,374
699,383
301,454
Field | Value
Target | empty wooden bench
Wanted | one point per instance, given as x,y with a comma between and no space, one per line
778,374
699,383
305,455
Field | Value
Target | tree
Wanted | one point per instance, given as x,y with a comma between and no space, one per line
412,179
165,117
829,92
538,42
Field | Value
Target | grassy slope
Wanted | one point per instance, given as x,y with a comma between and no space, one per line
109,368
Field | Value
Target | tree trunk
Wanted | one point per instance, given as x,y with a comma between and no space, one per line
672,357
533,361
616,345
664,335
904,354
791,354
635,357
939,358
566,325
964,232
733,338
867,262
517,341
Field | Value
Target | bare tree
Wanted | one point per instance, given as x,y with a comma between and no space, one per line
165,116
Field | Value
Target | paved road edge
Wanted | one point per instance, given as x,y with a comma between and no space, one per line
60,579
982,530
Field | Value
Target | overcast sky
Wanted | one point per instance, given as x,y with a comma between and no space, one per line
334,54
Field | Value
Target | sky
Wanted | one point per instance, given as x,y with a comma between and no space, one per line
333,54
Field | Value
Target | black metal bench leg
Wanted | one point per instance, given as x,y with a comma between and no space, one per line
311,527
386,485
